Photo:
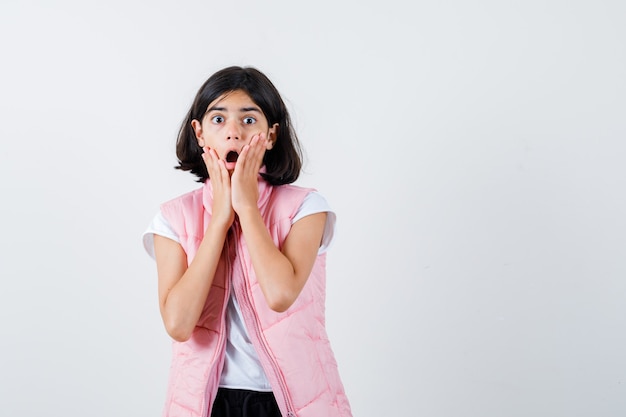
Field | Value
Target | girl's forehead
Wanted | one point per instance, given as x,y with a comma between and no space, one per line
236,98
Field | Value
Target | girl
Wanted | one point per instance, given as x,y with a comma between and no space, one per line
241,263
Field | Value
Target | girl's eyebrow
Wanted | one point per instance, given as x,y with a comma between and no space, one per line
243,109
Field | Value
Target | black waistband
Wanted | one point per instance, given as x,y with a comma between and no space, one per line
245,403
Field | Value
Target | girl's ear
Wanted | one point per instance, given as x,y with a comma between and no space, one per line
272,135
197,128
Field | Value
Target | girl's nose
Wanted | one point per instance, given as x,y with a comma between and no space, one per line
233,132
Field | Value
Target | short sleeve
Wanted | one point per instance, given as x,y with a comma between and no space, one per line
314,203
159,226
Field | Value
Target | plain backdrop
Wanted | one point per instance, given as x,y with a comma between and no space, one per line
474,153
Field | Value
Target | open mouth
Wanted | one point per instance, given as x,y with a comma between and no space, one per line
232,156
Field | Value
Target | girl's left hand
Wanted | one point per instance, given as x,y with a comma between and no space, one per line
244,182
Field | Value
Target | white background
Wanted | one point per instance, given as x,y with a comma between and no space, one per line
474,153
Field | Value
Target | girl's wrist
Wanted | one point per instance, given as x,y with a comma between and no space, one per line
219,225
247,213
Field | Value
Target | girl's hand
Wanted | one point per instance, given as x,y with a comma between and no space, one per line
223,212
245,187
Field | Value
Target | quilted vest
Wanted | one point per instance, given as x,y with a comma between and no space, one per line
293,346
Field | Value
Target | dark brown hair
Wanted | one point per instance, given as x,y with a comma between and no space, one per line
283,162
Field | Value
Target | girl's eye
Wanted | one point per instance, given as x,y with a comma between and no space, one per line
217,119
249,121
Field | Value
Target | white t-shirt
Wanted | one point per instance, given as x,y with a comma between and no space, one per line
242,368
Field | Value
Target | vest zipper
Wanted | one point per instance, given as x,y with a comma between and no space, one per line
247,306
208,403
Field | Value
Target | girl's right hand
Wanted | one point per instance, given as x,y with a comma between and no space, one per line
223,212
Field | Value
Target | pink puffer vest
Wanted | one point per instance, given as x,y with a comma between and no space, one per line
293,346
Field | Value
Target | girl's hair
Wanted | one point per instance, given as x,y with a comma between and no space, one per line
283,162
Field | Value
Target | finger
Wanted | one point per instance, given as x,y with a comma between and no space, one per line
254,154
221,173
241,165
224,176
208,155
217,168
209,158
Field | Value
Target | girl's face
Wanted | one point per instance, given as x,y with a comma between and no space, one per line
230,123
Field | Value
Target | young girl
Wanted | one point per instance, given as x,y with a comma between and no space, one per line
241,263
